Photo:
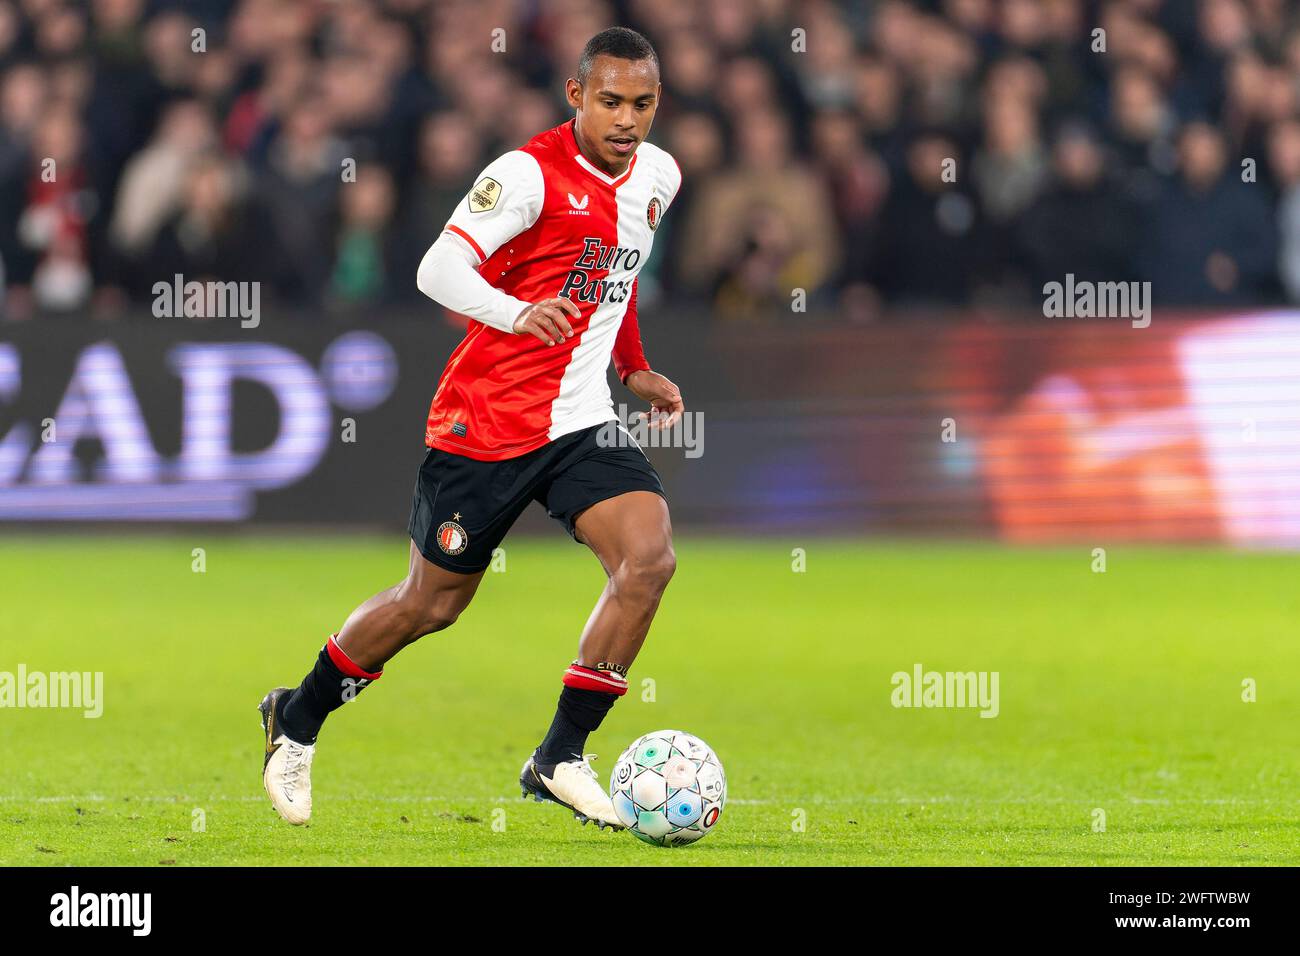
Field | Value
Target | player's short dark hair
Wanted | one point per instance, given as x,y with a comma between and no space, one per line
618,42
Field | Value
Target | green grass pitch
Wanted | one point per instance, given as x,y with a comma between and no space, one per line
1120,692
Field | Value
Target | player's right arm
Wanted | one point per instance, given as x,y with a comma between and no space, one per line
505,201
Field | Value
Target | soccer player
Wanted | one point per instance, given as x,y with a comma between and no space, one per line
543,255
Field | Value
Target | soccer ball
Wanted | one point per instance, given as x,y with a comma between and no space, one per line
668,788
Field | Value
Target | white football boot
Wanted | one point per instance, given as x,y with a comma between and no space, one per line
286,771
572,784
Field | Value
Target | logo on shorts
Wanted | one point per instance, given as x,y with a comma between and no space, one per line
452,537
653,212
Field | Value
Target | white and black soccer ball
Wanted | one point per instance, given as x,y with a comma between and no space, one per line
668,788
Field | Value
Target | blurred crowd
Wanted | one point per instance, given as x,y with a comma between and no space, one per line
875,155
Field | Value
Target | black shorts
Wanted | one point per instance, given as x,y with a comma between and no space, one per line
464,507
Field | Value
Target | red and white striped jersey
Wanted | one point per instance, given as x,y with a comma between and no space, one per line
545,222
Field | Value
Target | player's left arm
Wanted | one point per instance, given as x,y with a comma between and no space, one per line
665,398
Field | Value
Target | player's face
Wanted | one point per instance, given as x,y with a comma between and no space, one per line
615,108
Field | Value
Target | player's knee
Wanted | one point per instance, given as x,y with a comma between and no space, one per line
428,614
646,573
665,566
441,612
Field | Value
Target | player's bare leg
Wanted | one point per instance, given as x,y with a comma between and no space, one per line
428,600
631,535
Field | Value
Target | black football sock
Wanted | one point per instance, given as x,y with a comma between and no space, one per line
333,682
586,698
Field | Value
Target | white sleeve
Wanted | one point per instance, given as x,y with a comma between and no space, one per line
449,275
505,201
674,180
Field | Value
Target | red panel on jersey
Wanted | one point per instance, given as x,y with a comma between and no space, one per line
629,355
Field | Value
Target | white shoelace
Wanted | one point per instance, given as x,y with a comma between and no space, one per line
584,766
294,763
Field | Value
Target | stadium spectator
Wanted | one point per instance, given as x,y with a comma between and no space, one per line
22,101
53,224
928,240
760,229
1209,239
152,185
298,187
859,182
215,234
1085,224
1284,159
364,250
1009,170
1143,123
698,143
448,153
1010,167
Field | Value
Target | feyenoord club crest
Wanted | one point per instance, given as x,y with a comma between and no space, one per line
653,212
452,537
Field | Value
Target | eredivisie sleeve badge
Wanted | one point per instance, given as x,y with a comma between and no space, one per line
484,195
